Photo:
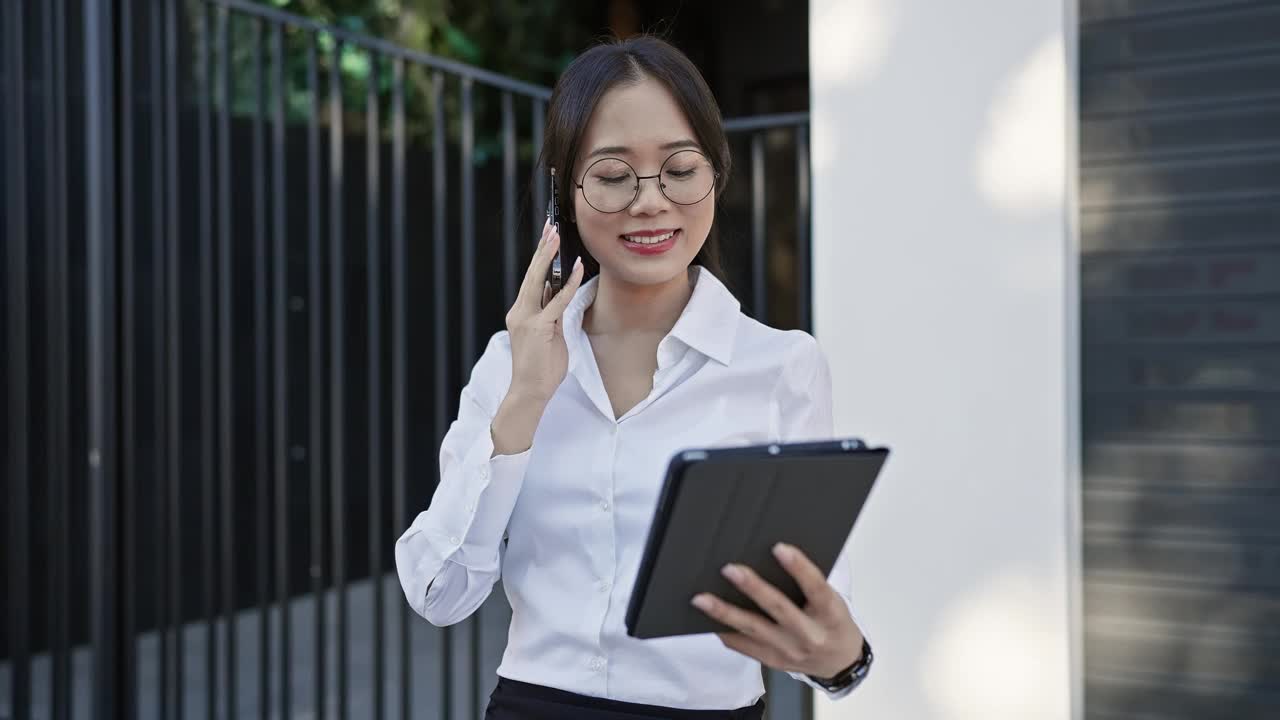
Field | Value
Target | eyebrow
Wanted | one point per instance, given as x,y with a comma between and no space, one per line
623,150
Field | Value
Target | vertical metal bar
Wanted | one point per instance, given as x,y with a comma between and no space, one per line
509,201
804,302
100,307
262,428
806,698
467,177
18,466
439,246
374,321
207,420
758,276
337,370
128,359
468,292
315,374
399,351
439,241
160,355
469,317
539,173
57,284
174,327
226,409
280,332
765,674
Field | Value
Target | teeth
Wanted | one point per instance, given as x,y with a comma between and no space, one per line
649,240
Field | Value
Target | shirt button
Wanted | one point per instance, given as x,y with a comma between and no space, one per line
484,473
454,540
597,663
604,505
604,586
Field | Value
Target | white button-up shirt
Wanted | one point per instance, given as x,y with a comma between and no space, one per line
575,508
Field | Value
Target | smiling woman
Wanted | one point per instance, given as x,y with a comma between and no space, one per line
552,470
616,116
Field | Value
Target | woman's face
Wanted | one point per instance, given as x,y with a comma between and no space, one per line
642,125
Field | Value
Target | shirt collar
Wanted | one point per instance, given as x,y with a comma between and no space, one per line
708,323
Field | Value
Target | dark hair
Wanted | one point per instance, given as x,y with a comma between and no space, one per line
580,87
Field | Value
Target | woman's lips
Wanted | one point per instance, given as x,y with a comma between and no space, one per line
652,249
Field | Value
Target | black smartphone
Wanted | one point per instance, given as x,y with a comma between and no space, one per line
555,273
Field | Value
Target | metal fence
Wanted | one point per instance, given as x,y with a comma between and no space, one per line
235,330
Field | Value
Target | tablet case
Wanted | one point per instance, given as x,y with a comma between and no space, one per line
731,505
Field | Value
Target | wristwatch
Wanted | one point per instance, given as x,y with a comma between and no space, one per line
851,676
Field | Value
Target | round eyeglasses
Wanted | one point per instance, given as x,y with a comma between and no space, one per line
610,184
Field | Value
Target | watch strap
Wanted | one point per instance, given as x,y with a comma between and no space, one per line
851,676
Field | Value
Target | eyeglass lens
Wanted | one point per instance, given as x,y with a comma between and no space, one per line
611,185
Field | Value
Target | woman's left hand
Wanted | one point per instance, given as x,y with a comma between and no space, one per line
819,640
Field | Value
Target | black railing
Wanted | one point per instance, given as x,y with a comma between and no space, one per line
757,129
204,486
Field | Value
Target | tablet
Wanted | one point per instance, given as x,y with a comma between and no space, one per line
731,505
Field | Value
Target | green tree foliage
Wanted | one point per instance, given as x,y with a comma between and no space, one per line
532,41
529,41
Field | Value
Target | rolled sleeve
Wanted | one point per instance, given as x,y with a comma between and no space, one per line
450,557
474,501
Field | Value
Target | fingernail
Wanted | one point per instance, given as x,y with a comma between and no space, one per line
702,602
733,572
782,551
577,263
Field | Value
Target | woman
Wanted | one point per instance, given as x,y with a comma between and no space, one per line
550,474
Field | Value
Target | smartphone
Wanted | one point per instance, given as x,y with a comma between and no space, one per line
555,273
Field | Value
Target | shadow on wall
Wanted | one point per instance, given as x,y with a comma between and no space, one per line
1001,164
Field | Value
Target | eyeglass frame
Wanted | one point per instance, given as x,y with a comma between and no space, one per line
715,179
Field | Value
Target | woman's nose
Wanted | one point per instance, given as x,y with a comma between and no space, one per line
650,199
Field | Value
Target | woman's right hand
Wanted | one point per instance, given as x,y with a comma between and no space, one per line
539,356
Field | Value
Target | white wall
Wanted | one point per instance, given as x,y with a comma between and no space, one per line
944,296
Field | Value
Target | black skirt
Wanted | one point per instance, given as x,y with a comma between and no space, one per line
515,700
